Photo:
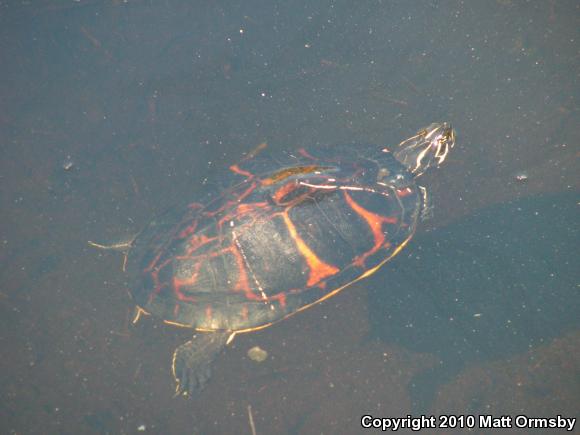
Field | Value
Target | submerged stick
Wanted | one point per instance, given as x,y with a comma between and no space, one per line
251,418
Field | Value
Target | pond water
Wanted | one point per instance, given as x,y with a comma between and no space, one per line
112,112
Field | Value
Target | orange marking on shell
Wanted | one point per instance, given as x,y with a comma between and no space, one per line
245,213
189,230
151,266
228,205
318,268
306,154
282,300
180,296
236,169
179,283
246,192
283,191
243,282
248,208
154,271
196,242
375,223
208,312
401,193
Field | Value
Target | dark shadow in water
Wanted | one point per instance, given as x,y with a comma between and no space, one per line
483,288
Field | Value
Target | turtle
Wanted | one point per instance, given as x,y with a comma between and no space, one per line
285,231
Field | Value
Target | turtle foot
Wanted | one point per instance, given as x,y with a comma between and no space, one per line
192,361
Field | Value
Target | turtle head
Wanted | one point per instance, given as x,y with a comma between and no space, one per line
428,148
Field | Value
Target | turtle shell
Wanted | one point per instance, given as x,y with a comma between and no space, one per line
286,231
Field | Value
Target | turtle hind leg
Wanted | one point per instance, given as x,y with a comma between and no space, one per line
192,361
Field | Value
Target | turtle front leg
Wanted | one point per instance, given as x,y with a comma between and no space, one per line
426,206
192,361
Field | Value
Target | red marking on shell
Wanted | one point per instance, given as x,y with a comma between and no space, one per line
249,208
244,312
152,296
245,213
179,283
195,242
283,191
239,197
306,154
187,231
282,300
208,313
154,272
401,193
153,262
246,192
375,223
243,283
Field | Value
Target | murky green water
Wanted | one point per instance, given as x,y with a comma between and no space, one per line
110,113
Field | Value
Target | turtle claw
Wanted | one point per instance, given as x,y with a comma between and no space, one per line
192,362
190,380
